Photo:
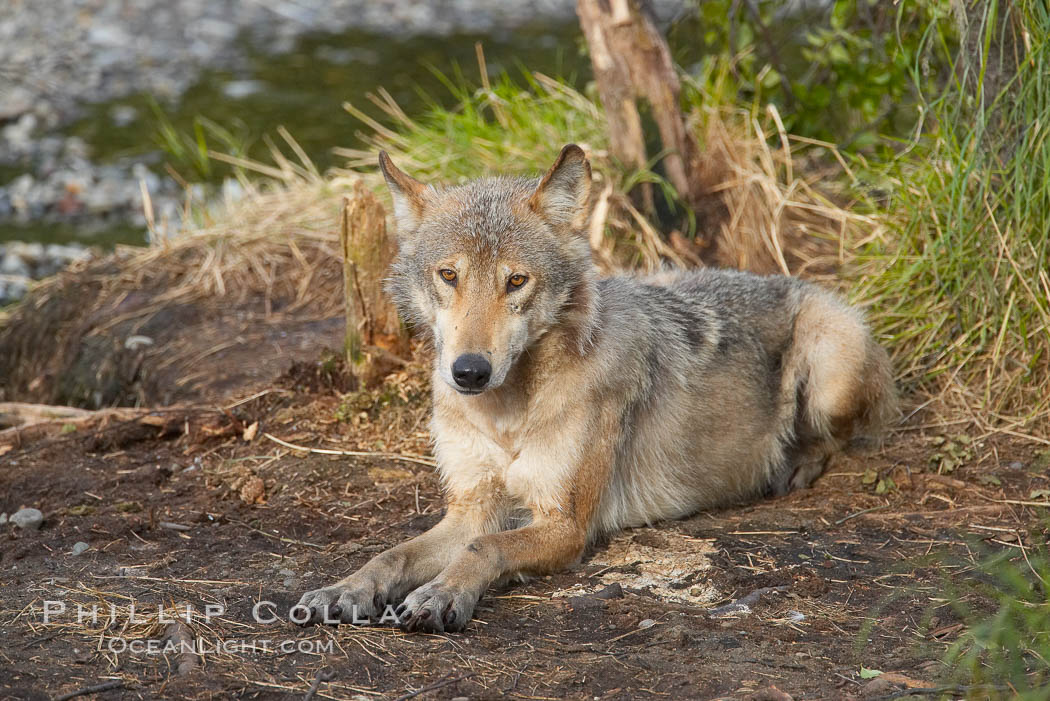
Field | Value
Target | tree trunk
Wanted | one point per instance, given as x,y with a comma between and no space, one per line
631,60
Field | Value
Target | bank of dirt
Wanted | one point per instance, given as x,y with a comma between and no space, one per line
198,505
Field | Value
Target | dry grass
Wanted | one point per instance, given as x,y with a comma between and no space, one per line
763,211
778,218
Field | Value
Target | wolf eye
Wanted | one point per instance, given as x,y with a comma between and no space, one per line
516,281
447,275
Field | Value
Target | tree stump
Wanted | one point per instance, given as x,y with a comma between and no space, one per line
375,337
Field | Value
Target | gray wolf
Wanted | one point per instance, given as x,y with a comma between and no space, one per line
566,406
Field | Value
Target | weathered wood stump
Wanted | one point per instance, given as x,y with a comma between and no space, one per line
375,337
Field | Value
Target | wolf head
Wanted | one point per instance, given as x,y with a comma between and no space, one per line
492,266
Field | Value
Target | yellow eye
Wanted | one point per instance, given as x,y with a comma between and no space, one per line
447,275
516,281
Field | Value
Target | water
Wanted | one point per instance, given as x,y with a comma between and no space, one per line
304,91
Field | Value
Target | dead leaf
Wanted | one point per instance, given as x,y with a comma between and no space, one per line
381,475
253,490
249,433
898,678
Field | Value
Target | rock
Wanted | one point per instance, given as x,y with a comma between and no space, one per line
80,548
879,686
613,591
123,115
770,693
3,518
13,264
237,89
27,519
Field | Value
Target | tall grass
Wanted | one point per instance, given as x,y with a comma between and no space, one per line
1005,653
962,291
512,126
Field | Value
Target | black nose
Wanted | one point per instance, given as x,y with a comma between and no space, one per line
471,371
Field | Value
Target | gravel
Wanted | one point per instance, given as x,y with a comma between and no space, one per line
57,56
21,263
60,54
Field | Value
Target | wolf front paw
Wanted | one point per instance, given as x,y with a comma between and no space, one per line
437,608
340,603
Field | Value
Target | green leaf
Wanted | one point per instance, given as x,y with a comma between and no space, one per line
771,79
885,485
866,673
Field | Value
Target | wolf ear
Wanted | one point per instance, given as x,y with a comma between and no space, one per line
410,195
563,192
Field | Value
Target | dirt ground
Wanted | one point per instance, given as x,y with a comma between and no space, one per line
198,505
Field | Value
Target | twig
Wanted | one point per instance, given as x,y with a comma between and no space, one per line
859,513
321,676
96,689
281,538
437,685
404,457
917,691
743,604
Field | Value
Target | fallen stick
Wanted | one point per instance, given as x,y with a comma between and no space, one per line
20,413
321,676
404,457
432,687
743,604
96,689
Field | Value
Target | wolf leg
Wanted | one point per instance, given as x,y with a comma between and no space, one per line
554,540
389,575
447,602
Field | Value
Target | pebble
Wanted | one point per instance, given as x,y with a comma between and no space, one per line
28,519
79,53
877,687
80,548
21,263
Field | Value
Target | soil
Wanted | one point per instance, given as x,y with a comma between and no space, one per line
200,506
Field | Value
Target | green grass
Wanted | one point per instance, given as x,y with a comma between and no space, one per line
510,126
961,290
513,126
1004,654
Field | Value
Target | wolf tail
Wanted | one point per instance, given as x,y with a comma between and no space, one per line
841,384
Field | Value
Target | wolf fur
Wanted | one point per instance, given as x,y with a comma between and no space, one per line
604,403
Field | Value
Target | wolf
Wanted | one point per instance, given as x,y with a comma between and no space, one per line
568,406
